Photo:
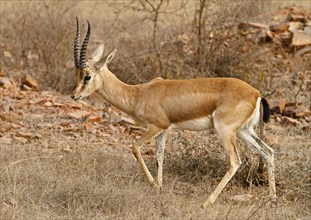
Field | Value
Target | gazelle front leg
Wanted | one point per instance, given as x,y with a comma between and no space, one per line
160,155
151,132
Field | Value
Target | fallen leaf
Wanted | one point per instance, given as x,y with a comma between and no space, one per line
7,54
48,104
5,140
21,139
282,104
95,118
9,201
290,121
65,123
78,114
242,198
23,134
88,126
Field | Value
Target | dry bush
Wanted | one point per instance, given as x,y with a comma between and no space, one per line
39,40
157,38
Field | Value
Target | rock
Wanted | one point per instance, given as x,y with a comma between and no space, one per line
301,39
29,82
6,83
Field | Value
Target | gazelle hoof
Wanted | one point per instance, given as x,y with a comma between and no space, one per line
274,202
206,204
155,186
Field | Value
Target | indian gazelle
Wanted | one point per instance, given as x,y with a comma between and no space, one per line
230,106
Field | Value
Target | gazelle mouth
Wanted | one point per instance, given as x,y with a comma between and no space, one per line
80,97
76,98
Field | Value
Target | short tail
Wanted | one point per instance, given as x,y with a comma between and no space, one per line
266,110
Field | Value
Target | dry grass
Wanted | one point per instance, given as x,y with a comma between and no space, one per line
88,184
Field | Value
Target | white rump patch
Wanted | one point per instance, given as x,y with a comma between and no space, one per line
254,119
198,124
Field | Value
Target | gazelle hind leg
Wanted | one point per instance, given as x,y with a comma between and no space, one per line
160,155
250,137
229,143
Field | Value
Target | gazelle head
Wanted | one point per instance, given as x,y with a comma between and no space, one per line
88,77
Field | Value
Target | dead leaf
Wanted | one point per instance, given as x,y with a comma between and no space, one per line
242,198
294,27
290,121
57,104
2,73
7,54
79,114
302,51
23,134
95,118
246,25
20,139
71,129
280,27
88,126
65,123
6,104
5,140
9,201
48,104
282,104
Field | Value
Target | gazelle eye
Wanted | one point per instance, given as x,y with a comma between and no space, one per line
87,78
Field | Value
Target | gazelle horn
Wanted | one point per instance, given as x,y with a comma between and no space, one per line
77,46
84,46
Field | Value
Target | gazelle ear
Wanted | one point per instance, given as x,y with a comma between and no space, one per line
110,57
97,54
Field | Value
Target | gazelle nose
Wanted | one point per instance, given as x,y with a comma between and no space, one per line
73,96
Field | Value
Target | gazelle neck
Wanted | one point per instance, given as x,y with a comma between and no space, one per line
117,93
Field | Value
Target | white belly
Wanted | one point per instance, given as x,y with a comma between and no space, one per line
198,124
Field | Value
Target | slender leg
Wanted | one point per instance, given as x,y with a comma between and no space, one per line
250,137
234,163
160,155
149,134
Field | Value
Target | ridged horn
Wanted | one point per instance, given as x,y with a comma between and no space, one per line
84,46
77,46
